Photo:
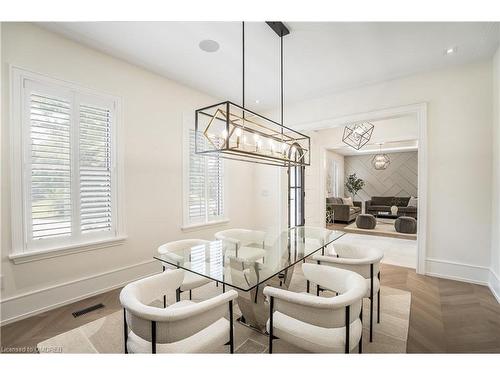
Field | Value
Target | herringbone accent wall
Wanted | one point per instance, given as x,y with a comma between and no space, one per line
400,179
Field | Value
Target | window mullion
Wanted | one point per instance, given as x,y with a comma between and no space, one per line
205,185
27,165
75,168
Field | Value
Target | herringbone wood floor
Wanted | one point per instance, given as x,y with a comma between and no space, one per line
445,317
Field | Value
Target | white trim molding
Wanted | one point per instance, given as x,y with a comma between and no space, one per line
28,304
494,284
194,227
468,273
32,256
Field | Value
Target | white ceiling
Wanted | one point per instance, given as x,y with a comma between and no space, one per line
320,57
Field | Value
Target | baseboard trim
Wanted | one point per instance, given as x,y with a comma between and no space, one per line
494,284
25,305
469,273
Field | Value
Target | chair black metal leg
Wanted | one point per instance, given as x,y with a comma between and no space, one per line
360,345
347,328
271,311
223,288
178,294
125,331
231,331
153,337
378,300
308,285
190,294
317,290
164,301
371,302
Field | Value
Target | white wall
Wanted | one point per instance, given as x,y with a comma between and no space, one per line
1,122
459,157
495,222
152,111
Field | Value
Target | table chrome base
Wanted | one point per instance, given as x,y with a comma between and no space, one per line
242,321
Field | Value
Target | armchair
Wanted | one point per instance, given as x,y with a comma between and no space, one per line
184,327
363,261
343,212
319,324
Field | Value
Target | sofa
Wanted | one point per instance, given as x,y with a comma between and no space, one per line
384,204
343,212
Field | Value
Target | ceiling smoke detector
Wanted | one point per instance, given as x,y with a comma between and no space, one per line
450,51
209,45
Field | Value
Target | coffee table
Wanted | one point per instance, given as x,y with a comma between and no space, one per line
385,216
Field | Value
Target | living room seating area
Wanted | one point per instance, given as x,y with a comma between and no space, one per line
406,206
342,211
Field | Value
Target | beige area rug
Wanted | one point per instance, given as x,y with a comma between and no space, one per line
384,227
105,335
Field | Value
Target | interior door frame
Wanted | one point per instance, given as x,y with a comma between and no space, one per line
419,110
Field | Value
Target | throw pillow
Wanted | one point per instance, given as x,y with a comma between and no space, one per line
399,202
413,202
348,201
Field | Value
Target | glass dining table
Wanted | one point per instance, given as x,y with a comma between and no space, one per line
249,268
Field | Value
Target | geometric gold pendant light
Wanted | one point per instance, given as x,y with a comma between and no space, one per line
381,161
357,135
231,131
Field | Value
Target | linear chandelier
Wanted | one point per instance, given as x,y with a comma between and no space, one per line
232,131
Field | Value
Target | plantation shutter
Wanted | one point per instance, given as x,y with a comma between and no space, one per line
50,155
215,199
68,167
95,169
205,200
196,200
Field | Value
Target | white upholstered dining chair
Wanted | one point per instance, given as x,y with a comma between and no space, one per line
319,324
191,280
363,260
248,245
183,327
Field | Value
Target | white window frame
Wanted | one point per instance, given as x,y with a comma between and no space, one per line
188,124
22,249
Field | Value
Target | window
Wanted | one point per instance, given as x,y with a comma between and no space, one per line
204,185
296,191
65,155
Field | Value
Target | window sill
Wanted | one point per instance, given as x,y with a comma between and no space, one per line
36,255
194,227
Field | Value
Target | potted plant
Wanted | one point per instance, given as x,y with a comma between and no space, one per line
354,184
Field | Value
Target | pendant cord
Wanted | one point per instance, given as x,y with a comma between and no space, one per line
243,63
281,67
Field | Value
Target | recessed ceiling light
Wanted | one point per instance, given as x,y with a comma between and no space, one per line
450,50
209,45
257,101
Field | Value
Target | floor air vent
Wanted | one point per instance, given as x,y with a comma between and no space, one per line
86,310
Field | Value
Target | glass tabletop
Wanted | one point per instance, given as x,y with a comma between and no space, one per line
244,266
